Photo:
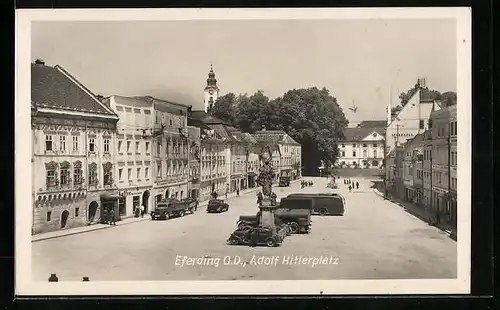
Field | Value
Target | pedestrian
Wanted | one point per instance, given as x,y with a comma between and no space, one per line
104,217
349,187
438,216
357,185
112,220
142,211
237,192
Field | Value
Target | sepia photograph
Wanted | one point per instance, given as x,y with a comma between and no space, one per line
243,151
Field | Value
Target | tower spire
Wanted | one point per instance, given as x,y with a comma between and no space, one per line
211,90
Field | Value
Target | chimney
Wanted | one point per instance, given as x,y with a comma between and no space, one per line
389,114
263,127
421,82
40,62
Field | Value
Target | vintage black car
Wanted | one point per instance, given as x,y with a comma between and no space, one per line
324,203
284,181
256,236
217,206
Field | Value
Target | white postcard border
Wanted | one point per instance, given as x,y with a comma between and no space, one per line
24,285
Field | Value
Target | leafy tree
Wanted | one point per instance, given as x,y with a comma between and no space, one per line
225,108
449,98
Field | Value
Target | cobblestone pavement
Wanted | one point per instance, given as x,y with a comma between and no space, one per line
375,239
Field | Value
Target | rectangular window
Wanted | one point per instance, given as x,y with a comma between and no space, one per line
64,176
158,148
106,145
354,145
77,212
146,173
48,143
91,145
78,173
147,148
158,172
75,143
108,176
49,215
51,177
364,145
120,174
120,145
343,145
138,147
375,145
93,175
62,143
353,153
128,146
138,173
129,174
421,124
375,153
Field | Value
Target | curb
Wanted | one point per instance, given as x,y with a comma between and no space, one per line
85,231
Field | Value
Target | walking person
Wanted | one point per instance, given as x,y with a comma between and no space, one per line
112,220
357,185
237,192
142,211
349,187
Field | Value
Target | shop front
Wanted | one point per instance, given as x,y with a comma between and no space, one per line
112,200
251,176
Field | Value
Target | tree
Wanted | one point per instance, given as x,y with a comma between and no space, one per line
225,108
449,98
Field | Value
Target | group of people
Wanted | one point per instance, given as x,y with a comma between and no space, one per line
352,184
306,183
108,217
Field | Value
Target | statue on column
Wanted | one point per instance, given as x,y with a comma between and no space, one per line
266,176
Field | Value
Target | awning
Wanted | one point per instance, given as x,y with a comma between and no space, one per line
108,196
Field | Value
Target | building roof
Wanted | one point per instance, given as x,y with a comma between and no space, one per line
360,133
55,88
207,118
273,136
372,124
197,123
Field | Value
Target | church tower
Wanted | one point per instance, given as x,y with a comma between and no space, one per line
211,90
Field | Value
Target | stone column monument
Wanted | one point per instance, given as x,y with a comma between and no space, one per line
268,202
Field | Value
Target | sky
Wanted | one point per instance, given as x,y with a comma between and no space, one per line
359,61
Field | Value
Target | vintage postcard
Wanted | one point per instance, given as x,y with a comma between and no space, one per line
243,151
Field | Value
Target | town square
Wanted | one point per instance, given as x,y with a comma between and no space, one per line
209,150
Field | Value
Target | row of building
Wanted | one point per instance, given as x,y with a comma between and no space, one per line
91,153
417,148
421,158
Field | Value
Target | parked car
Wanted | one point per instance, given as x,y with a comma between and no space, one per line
171,207
324,203
217,206
284,181
256,235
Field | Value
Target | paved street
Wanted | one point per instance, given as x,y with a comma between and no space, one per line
375,239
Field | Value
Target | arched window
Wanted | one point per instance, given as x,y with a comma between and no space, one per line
77,173
65,173
51,174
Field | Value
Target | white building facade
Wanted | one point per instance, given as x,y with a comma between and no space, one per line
362,148
73,135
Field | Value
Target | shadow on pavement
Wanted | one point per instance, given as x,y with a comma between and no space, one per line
418,211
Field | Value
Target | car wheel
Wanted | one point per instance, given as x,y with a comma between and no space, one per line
270,242
294,227
181,214
233,241
322,212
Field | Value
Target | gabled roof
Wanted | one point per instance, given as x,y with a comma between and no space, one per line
55,88
360,133
273,136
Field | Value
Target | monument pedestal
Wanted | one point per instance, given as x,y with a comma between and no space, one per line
267,213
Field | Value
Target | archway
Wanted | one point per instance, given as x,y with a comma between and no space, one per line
64,218
92,210
167,194
145,200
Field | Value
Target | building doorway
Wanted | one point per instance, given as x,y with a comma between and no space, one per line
145,200
242,184
93,210
213,187
167,194
64,218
